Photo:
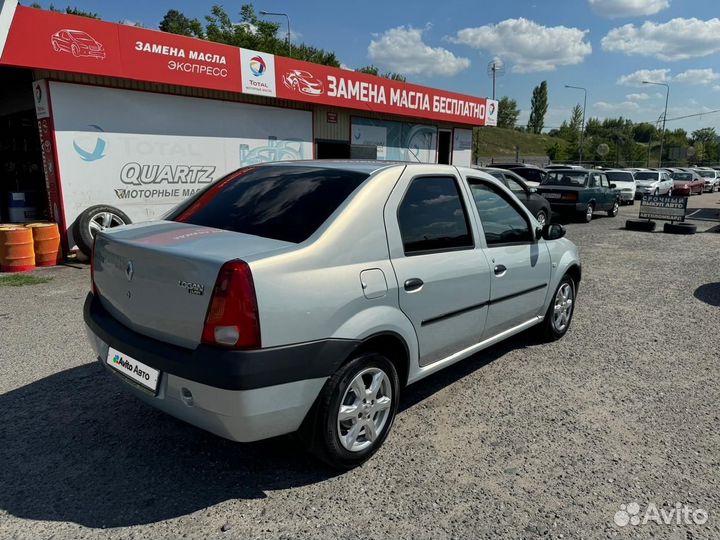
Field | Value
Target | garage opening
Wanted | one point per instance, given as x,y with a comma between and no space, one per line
444,140
327,149
23,195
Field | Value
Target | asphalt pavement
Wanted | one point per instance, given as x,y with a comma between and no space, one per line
523,440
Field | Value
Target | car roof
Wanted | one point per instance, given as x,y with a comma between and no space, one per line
353,165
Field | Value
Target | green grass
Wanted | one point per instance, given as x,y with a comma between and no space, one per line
18,280
502,142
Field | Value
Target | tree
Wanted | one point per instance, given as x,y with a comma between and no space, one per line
250,33
68,10
645,132
538,108
576,119
508,112
555,152
372,70
705,141
175,22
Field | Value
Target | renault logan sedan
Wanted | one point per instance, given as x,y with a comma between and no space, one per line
305,296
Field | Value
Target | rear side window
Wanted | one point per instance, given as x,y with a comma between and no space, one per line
502,223
432,216
282,202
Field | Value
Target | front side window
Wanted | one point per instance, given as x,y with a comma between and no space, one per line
515,186
281,202
604,181
432,216
501,221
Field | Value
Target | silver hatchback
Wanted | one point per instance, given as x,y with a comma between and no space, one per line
304,296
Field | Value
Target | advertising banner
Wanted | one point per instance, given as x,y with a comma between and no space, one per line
396,141
303,81
48,40
663,208
145,152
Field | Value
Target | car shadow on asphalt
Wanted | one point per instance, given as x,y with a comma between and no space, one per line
708,293
78,448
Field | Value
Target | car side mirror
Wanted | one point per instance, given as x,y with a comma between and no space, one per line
532,189
613,186
553,231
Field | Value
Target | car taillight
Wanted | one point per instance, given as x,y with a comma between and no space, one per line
569,196
232,319
92,268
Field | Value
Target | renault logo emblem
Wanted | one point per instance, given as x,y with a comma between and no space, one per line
129,271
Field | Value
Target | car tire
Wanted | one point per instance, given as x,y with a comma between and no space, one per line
75,51
632,203
680,228
613,212
542,218
94,219
657,192
588,214
328,437
640,225
550,330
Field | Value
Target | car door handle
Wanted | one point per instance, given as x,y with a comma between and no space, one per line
413,284
499,270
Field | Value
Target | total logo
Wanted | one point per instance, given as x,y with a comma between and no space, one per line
82,148
257,66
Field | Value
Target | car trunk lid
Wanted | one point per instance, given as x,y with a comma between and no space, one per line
157,279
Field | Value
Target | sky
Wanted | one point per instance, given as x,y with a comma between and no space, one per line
606,46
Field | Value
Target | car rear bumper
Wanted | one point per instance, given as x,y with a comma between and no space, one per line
627,196
562,207
240,395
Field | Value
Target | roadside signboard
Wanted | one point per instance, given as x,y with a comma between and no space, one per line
663,208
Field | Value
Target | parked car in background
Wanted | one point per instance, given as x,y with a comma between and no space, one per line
537,204
687,183
580,192
711,177
532,175
561,166
653,183
244,312
625,184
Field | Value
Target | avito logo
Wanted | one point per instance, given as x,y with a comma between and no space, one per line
96,153
257,66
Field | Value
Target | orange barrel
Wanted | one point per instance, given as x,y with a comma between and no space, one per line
46,240
17,253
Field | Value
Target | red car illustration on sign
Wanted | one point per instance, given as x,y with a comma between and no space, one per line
303,82
78,43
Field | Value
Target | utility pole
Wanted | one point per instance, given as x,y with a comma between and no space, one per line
667,97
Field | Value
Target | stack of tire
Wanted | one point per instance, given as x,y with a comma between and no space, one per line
647,225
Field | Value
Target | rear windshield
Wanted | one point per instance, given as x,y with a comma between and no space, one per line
619,176
282,202
646,175
565,178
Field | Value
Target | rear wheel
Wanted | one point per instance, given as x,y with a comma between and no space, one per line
588,215
355,411
560,312
614,210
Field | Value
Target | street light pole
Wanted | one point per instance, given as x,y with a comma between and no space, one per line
582,131
288,21
667,97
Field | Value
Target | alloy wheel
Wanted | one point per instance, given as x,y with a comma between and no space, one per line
364,409
104,220
563,307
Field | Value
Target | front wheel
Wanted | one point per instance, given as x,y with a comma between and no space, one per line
355,411
614,210
560,312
